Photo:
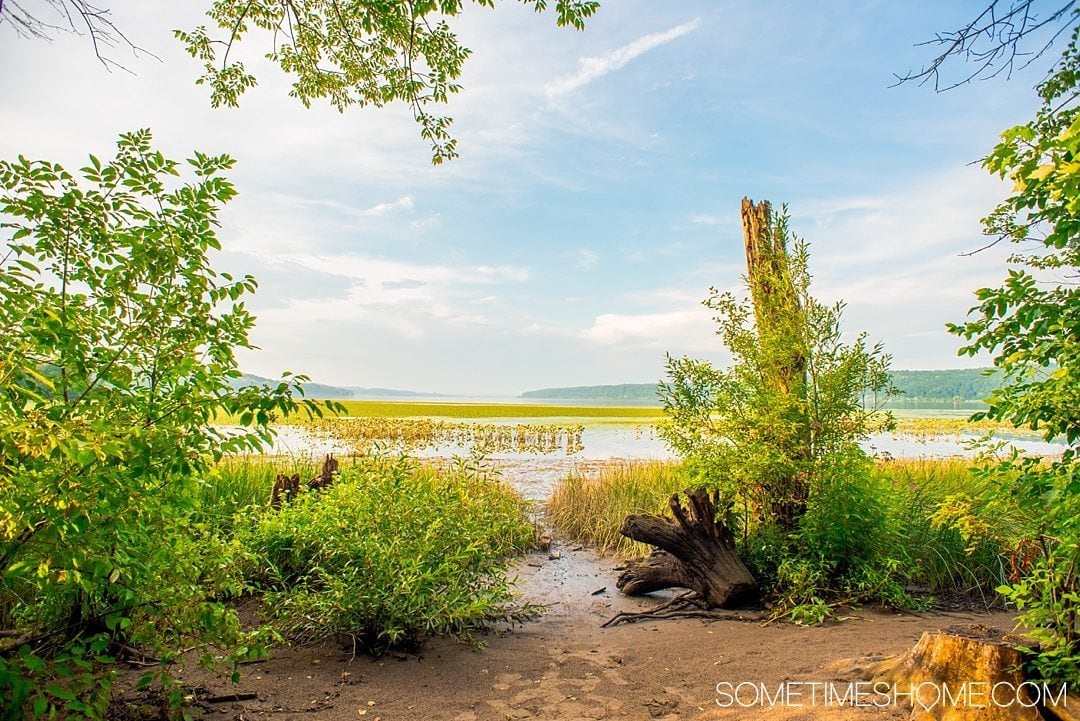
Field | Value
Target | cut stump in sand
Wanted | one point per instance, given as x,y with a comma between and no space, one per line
695,549
963,675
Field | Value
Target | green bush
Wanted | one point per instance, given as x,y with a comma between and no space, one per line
847,547
391,554
117,342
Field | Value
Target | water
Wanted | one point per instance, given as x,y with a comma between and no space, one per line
534,475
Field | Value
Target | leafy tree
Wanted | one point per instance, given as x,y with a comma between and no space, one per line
117,343
778,430
1031,323
348,53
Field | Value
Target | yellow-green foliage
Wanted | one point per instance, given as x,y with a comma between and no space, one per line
590,508
394,552
408,434
409,409
950,426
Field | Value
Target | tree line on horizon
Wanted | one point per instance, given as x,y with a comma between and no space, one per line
964,384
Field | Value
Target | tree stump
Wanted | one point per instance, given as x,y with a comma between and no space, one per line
326,475
953,677
694,550
285,487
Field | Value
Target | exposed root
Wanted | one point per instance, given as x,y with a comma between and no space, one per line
686,605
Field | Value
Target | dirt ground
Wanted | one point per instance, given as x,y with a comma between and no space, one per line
565,666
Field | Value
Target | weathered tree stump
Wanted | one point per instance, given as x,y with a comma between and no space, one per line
326,476
957,676
285,487
694,550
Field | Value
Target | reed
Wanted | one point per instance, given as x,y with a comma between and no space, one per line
591,508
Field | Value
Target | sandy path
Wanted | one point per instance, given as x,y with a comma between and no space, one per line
553,669
564,666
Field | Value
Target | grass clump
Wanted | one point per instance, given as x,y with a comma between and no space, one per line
924,495
592,508
391,554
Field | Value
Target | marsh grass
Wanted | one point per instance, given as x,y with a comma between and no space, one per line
955,427
590,508
409,409
415,434
939,555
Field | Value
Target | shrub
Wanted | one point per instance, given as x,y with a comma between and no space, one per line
117,343
392,553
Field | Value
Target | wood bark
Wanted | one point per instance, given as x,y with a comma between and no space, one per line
694,549
962,662
285,486
777,318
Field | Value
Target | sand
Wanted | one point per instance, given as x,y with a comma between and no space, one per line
564,665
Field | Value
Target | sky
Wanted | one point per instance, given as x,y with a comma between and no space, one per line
596,199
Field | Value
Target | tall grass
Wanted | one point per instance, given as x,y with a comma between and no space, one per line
591,509
237,482
939,556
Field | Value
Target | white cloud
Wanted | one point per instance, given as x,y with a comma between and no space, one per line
403,203
583,257
706,219
689,329
592,68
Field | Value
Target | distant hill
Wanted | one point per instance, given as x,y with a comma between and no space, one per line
644,392
967,384
322,391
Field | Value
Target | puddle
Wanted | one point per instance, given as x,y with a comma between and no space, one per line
579,582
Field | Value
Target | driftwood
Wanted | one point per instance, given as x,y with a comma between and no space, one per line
694,550
285,487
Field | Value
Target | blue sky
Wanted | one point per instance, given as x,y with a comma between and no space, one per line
596,198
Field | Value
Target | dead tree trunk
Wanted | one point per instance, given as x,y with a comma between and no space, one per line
694,550
777,318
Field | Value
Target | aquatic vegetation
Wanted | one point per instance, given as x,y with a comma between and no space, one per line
406,434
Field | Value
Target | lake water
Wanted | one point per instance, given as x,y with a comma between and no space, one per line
535,474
